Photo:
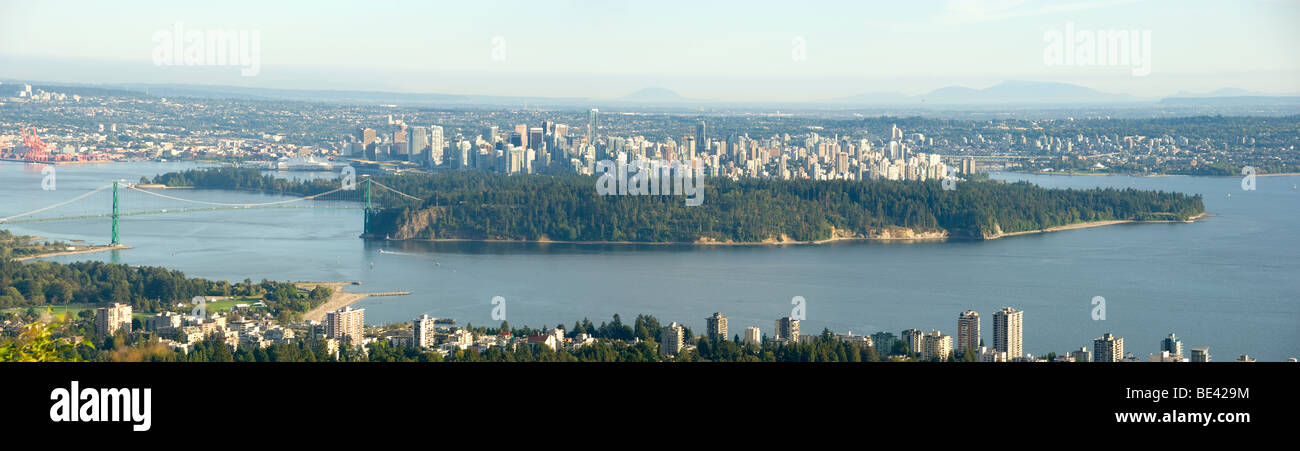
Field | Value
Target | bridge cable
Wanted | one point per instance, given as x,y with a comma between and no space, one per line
300,199
408,196
60,204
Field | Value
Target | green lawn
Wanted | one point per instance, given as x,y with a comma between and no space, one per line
71,310
224,305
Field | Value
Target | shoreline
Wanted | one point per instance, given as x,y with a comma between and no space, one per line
1091,224
920,237
338,297
1081,225
669,243
88,250
1148,175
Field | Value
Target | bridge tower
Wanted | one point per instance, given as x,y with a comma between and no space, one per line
365,225
116,241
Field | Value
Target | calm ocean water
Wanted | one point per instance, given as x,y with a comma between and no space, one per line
1228,282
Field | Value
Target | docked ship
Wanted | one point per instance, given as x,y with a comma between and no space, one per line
307,163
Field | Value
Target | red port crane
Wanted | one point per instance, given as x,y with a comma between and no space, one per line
37,150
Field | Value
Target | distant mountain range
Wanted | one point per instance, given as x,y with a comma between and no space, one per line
1005,93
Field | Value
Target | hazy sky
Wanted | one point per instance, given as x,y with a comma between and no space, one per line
706,49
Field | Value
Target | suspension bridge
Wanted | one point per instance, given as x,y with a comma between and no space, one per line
343,197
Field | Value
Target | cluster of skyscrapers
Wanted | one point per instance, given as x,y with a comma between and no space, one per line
552,147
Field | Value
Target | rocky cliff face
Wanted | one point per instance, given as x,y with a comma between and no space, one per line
899,233
414,227
995,234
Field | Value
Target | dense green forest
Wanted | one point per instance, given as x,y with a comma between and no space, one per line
147,289
242,178
481,205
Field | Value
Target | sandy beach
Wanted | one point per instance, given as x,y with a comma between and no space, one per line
1085,225
1081,225
80,250
338,298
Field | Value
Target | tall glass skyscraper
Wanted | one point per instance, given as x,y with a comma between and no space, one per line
701,138
593,125
1172,344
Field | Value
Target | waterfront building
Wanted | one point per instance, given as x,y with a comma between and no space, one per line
716,326
423,331
968,332
884,343
913,339
936,346
1172,345
670,340
1108,348
1082,355
1008,326
346,322
787,329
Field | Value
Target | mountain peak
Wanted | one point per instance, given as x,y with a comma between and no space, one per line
1020,91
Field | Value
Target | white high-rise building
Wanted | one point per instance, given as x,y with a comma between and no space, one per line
1108,348
1008,327
346,322
753,335
436,143
423,330
936,346
716,326
109,320
464,154
670,340
913,338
